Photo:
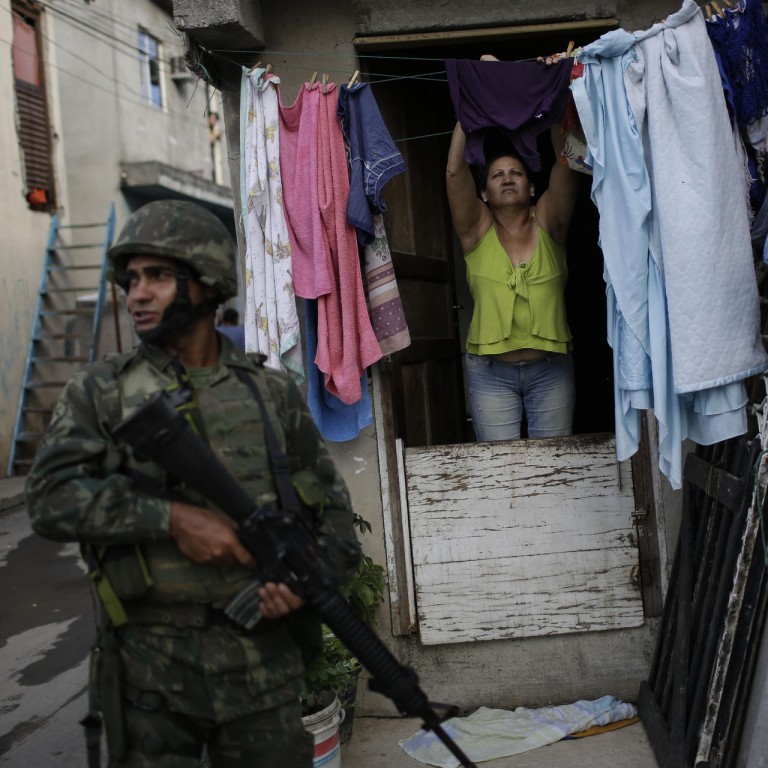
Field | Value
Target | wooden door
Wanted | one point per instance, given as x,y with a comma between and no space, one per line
423,382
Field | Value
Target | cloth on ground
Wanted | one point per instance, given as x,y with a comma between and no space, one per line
346,343
596,730
488,734
524,98
271,321
298,169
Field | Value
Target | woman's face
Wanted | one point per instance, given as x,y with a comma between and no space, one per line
507,182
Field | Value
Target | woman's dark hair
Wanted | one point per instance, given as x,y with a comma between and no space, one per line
496,145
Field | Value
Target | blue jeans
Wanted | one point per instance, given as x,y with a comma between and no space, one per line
499,392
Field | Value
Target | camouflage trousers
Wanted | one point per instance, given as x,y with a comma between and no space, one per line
271,739
235,692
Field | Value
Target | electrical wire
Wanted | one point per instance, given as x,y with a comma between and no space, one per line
133,95
132,52
80,23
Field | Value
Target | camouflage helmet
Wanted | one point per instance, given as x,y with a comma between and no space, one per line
180,230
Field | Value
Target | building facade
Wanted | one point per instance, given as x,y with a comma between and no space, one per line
105,112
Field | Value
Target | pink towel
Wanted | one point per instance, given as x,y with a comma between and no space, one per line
298,168
346,343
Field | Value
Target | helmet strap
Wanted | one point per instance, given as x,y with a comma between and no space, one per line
180,313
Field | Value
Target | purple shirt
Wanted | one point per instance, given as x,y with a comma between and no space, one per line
525,98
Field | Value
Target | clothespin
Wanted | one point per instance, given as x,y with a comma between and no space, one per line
717,8
267,70
325,80
569,49
312,79
728,3
353,78
707,11
255,66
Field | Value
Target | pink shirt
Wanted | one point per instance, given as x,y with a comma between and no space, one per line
298,168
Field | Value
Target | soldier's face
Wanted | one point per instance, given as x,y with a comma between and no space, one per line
151,289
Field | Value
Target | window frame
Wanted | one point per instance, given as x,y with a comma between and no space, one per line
151,70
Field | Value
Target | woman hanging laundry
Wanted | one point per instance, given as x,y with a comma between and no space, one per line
519,344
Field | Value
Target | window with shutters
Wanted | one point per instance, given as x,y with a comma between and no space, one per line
32,107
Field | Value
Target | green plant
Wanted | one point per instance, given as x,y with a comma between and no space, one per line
335,670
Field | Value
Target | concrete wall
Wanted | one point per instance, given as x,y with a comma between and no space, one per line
24,234
377,17
104,119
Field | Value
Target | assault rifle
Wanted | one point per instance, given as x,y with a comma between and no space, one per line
285,549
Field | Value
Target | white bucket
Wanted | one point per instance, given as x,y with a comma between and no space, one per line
324,727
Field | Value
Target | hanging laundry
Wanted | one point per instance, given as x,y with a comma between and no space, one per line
759,231
373,157
689,260
622,193
346,343
575,147
525,98
271,321
298,167
740,41
336,420
387,313
374,160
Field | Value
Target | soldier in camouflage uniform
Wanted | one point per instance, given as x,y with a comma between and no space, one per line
171,671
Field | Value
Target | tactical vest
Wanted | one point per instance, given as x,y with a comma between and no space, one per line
229,418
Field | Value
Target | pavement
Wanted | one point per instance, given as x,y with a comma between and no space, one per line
11,492
374,741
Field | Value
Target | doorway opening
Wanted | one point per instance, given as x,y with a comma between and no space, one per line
425,382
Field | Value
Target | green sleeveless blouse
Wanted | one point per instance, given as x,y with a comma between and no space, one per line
517,307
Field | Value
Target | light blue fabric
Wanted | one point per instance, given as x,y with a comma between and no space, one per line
488,734
621,191
335,420
676,98
613,116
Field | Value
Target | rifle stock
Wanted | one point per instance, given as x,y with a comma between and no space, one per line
160,433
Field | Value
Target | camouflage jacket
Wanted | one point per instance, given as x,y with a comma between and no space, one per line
82,486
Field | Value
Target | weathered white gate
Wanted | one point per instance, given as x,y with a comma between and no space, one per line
523,538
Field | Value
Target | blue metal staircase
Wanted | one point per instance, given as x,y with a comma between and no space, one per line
66,329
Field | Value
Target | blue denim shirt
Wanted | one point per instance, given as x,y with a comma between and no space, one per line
374,159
